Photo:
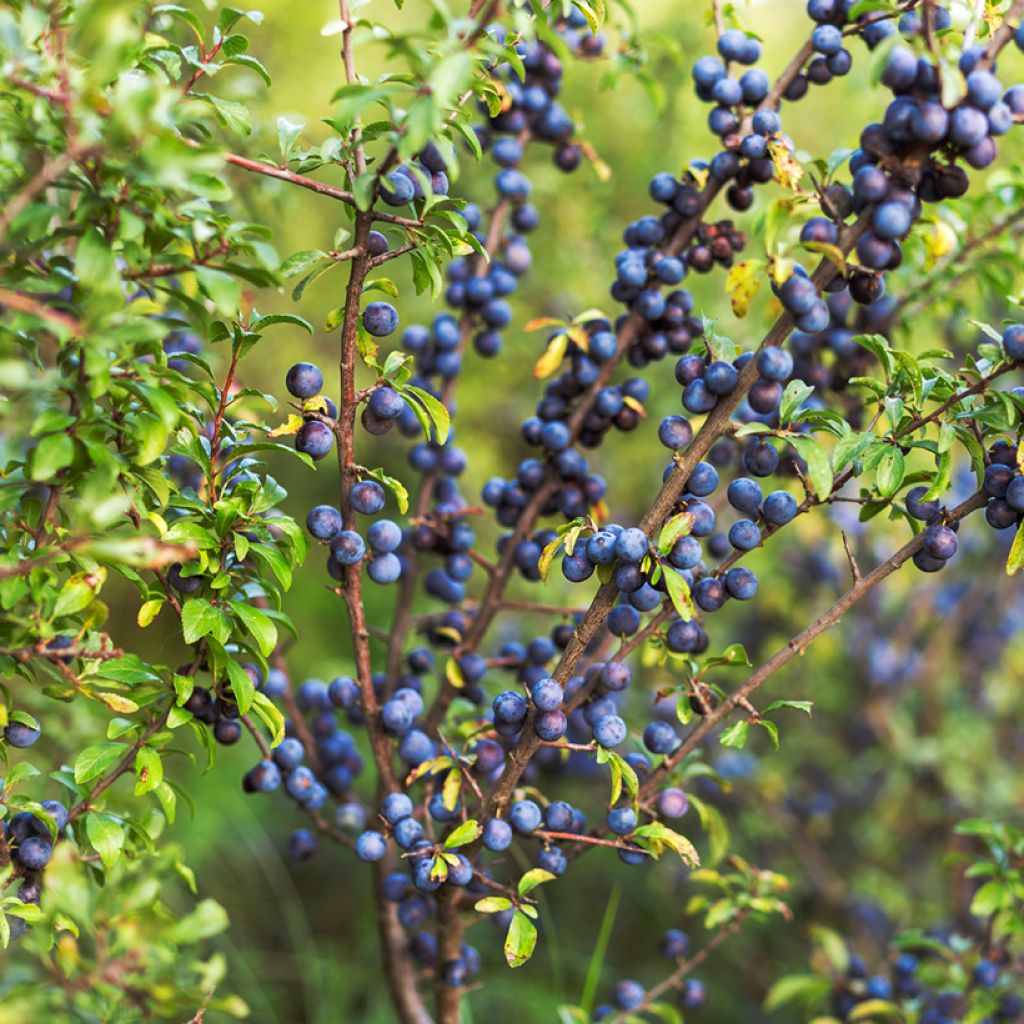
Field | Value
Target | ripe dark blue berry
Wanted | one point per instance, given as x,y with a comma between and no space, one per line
304,380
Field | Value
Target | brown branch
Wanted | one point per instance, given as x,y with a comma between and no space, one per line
575,837
123,766
716,421
686,967
398,964
798,644
349,60
716,13
27,304
627,334
320,187
854,568
540,609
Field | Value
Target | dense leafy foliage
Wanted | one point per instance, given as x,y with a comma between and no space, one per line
136,460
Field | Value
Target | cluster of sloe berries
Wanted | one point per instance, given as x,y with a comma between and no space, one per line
328,769
30,842
908,982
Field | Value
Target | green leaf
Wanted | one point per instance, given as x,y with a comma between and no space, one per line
991,897
106,835
878,345
394,485
714,826
521,940
468,832
890,472
819,469
792,398
270,715
76,594
679,592
1016,556
235,117
438,413
149,769
533,878
656,836
246,60
833,946
300,262
224,290
242,687
198,618
771,728
808,989
208,919
96,760
382,284
185,15
677,527
53,453
492,904
96,265
262,322
258,623
735,735
799,705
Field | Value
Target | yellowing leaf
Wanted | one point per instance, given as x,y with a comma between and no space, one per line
148,612
520,940
742,284
699,175
788,171
831,252
552,358
1016,557
580,337
938,242
290,426
454,674
116,702
547,556
781,270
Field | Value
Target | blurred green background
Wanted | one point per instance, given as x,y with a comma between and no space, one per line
916,721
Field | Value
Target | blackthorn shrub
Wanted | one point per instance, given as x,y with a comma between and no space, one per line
469,765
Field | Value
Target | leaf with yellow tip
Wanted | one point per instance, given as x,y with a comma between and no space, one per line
542,322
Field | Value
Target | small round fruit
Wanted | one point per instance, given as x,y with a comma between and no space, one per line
304,380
